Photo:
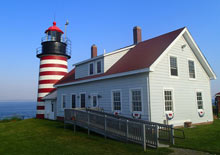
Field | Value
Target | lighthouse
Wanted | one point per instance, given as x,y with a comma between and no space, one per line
54,52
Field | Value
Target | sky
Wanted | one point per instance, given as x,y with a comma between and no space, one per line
106,23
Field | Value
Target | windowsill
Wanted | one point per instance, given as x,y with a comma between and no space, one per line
192,79
175,77
138,112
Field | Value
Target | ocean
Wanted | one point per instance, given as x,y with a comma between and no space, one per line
21,109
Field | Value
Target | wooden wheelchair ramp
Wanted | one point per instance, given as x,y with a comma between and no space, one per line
120,127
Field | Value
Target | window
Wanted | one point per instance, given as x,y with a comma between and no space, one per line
136,100
168,100
199,100
64,101
94,101
91,71
116,99
83,100
99,67
51,107
73,97
173,66
191,69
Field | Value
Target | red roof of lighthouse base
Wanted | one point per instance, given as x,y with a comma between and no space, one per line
54,28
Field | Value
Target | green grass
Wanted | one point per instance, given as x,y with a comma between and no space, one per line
12,119
34,136
203,138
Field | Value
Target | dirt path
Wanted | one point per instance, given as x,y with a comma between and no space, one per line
180,151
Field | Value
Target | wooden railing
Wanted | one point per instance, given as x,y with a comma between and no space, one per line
119,127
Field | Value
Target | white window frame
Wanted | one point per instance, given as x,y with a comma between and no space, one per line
197,107
89,68
71,100
194,68
97,66
173,99
112,99
62,102
91,100
130,100
173,76
80,99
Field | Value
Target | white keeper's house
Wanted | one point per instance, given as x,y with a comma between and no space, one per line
163,79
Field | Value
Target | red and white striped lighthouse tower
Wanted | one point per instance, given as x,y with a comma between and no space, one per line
53,54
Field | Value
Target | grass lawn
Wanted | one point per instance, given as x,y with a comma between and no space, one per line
203,137
34,136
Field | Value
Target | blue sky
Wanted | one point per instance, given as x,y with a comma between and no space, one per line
108,24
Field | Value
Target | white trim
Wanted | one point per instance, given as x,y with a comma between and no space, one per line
40,111
50,77
104,55
45,86
189,59
92,69
53,61
40,103
71,100
173,76
80,99
173,99
130,100
44,69
112,104
106,77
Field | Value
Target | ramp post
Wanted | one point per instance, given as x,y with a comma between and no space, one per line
172,135
105,125
144,137
88,122
127,130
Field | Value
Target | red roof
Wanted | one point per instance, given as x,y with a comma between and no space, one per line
141,56
54,28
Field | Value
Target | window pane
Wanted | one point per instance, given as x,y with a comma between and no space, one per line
173,66
191,69
64,101
116,100
73,101
91,69
136,100
94,101
168,100
199,100
83,100
99,67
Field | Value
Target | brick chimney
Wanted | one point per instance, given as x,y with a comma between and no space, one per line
93,51
137,34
